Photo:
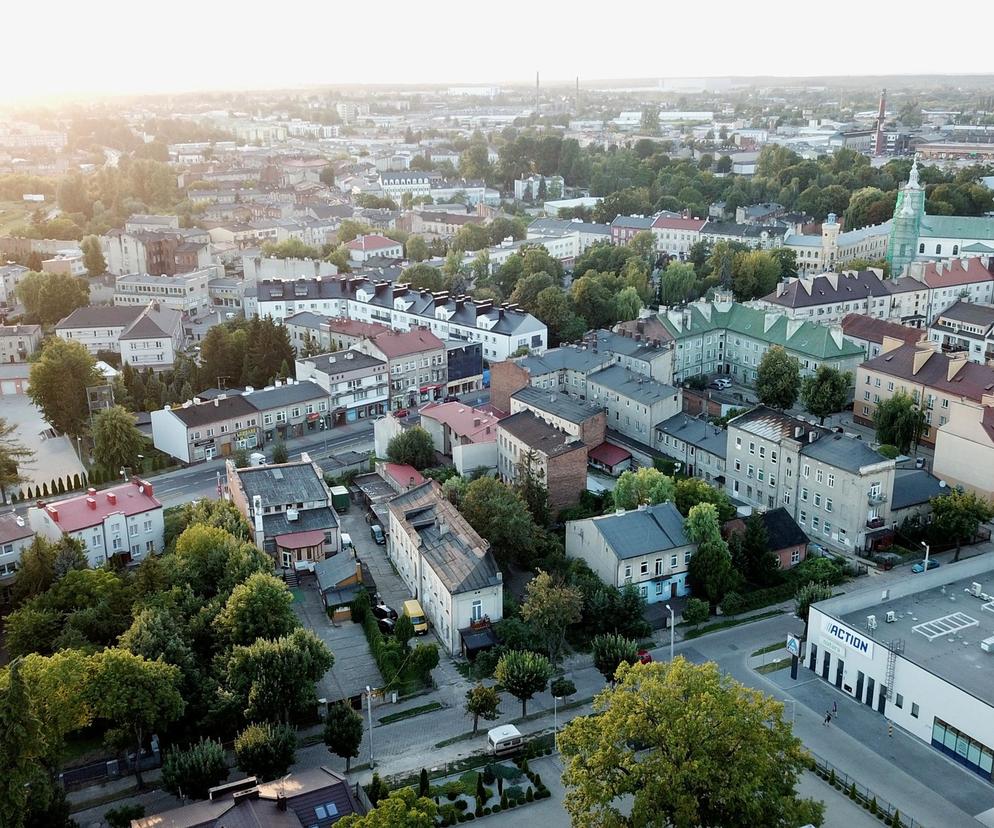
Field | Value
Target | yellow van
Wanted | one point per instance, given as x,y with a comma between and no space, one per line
412,609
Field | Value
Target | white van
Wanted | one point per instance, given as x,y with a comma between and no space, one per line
257,458
504,739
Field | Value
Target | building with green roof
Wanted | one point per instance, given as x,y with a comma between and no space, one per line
726,337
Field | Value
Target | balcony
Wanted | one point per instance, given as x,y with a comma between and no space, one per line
874,523
875,498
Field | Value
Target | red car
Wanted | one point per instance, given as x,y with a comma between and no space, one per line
400,413
645,657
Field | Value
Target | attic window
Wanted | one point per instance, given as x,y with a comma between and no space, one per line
329,809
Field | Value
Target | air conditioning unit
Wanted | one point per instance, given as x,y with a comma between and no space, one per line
891,616
871,622
291,514
976,589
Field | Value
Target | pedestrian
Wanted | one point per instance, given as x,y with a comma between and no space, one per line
828,718
835,708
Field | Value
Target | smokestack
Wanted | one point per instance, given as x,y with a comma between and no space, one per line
879,143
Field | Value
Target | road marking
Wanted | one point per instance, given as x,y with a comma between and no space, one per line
986,817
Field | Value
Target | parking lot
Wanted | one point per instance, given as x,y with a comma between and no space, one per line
388,583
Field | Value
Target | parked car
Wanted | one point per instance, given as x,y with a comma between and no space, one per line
920,566
376,531
383,611
400,413
721,383
386,625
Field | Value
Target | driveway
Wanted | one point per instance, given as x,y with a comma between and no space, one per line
354,667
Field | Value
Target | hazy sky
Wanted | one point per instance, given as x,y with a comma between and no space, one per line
110,46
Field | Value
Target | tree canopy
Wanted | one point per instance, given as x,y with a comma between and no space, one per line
826,392
778,379
59,379
899,421
412,447
645,486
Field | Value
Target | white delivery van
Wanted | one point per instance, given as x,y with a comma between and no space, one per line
504,739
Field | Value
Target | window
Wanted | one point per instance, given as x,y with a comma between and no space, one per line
628,571
644,568
899,701
133,529
817,499
750,470
673,560
738,442
686,557
827,529
828,504
802,517
762,451
806,471
914,710
773,455
795,556
866,395
815,521
659,587
329,809
786,497
477,610
819,476
831,481
759,474
804,495
752,448
738,464
659,566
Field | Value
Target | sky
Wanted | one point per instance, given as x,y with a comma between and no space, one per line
67,48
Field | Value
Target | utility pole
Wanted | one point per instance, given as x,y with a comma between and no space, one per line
369,709
672,630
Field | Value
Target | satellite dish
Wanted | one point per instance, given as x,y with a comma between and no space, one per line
942,484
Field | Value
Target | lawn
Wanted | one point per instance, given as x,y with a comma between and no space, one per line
407,714
774,666
769,648
13,213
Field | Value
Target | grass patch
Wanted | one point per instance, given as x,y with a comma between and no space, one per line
411,712
774,666
731,622
769,648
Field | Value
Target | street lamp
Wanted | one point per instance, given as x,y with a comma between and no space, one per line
925,568
369,707
672,624
555,722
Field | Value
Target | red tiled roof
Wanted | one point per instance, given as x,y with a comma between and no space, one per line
371,243
75,513
956,272
861,326
355,327
971,380
400,343
403,474
609,455
299,540
663,223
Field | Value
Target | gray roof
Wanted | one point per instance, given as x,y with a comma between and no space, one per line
774,425
553,226
969,312
282,484
306,319
308,520
847,288
114,316
285,395
211,412
699,432
557,404
537,434
842,452
643,531
338,362
913,487
626,383
332,571
643,222
567,357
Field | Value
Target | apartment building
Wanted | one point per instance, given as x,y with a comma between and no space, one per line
832,296
965,327
328,333
833,248
146,336
363,248
444,563
19,342
357,384
10,278
185,293
585,234
964,445
464,366
15,536
123,522
164,251
417,363
633,404
584,421
869,333
695,443
675,236
528,444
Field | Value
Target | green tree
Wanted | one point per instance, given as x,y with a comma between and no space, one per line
93,257
290,249
412,447
529,482
689,491
135,696
550,607
696,611
424,277
523,674
266,751
612,650
12,454
51,297
826,392
645,486
710,571
36,571
899,421
470,238
650,747
778,379
194,771
403,630
958,515
417,249
482,702
343,732
627,304
758,565
259,607
58,385
528,289
807,594
401,809
280,453
562,688
676,283
499,514
117,442
22,746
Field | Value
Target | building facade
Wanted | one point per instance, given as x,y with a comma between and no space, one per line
357,384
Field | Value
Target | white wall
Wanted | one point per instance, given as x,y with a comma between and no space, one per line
169,435
384,430
467,458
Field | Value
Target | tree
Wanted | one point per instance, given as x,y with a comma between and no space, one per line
412,447
401,809
117,442
958,515
778,379
51,297
12,454
136,696
265,751
696,611
550,607
424,277
194,771
523,674
710,570
689,491
93,257
22,746
652,746
527,291
826,392
562,688
723,165
627,304
645,486
758,565
676,283
417,249
35,572
899,421
280,454
343,732
482,702
612,650
58,385
470,238
806,595
529,482
499,514
291,248
259,607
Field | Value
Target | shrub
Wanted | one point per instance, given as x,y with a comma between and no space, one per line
487,811
488,775
852,791
195,770
497,809
831,777
461,805
265,750
451,796
121,816
503,800
873,806
377,789
529,795
696,611
733,603
424,788
895,819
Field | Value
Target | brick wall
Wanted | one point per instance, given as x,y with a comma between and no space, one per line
505,378
593,430
567,477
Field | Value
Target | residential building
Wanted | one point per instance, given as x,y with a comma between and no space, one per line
226,295
123,522
467,435
18,342
464,366
259,268
675,236
695,443
726,337
585,234
162,252
632,403
759,237
417,364
357,384
444,563
10,278
562,370
964,444
584,421
313,798
288,506
785,538
831,296
146,336
528,445
186,293
965,327
625,228
836,487
833,248
290,409
15,536
935,380
500,330
952,280
913,493
366,247
67,262
646,546
539,187
328,333
869,333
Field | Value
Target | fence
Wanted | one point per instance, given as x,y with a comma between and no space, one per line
862,795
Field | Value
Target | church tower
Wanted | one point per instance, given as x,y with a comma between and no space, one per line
906,224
